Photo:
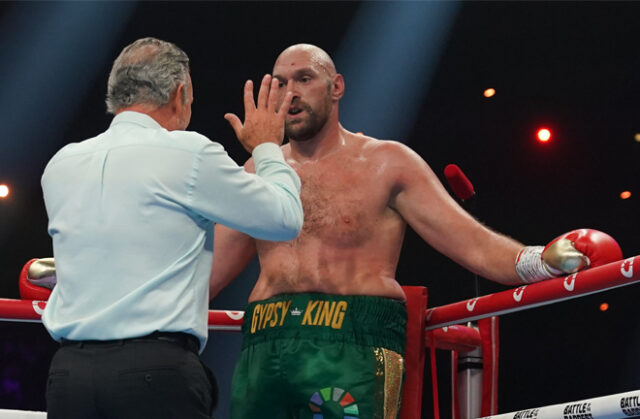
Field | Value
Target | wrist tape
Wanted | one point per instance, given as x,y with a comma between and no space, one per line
530,266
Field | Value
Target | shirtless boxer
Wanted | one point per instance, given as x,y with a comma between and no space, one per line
325,328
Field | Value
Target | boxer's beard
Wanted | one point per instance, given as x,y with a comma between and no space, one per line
307,128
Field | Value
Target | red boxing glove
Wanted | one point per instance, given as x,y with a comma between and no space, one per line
597,247
566,254
37,279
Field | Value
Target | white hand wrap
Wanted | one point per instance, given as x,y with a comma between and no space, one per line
530,266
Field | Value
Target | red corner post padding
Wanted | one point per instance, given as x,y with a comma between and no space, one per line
489,331
28,291
414,353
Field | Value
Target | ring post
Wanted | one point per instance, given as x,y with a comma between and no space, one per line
414,353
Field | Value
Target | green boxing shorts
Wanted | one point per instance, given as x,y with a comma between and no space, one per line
319,356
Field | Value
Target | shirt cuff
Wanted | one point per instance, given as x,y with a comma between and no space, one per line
267,151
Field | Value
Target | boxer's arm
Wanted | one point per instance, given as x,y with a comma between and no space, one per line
428,208
232,252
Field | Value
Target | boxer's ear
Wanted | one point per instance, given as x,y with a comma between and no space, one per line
337,87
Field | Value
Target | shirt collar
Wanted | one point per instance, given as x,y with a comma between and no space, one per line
138,118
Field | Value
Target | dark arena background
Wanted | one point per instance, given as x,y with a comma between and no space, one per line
415,72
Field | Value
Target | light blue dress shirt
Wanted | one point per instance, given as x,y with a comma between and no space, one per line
131,215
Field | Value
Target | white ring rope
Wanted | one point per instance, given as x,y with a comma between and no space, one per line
615,406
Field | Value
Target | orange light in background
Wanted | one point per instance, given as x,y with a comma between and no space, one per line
637,137
544,135
604,307
625,195
4,191
489,92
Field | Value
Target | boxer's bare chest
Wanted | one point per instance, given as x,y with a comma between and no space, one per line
343,198
349,235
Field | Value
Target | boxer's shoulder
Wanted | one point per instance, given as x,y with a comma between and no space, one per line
382,148
393,156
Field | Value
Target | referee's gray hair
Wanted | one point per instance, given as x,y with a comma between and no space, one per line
146,72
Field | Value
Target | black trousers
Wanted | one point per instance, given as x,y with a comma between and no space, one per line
160,376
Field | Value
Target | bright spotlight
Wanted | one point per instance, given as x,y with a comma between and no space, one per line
4,191
625,195
544,135
489,92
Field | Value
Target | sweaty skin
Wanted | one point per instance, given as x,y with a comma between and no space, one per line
358,194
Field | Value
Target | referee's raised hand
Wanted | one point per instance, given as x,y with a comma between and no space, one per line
264,121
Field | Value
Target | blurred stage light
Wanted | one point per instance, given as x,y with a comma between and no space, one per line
4,191
637,137
52,51
625,195
489,92
604,307
409,37
543,135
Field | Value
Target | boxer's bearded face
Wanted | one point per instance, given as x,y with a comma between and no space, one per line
306,118
311,85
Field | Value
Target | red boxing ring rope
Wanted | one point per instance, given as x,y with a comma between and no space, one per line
612,275
225,320
31,310
601,278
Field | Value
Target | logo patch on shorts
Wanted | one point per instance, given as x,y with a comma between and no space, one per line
335,400
318,313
